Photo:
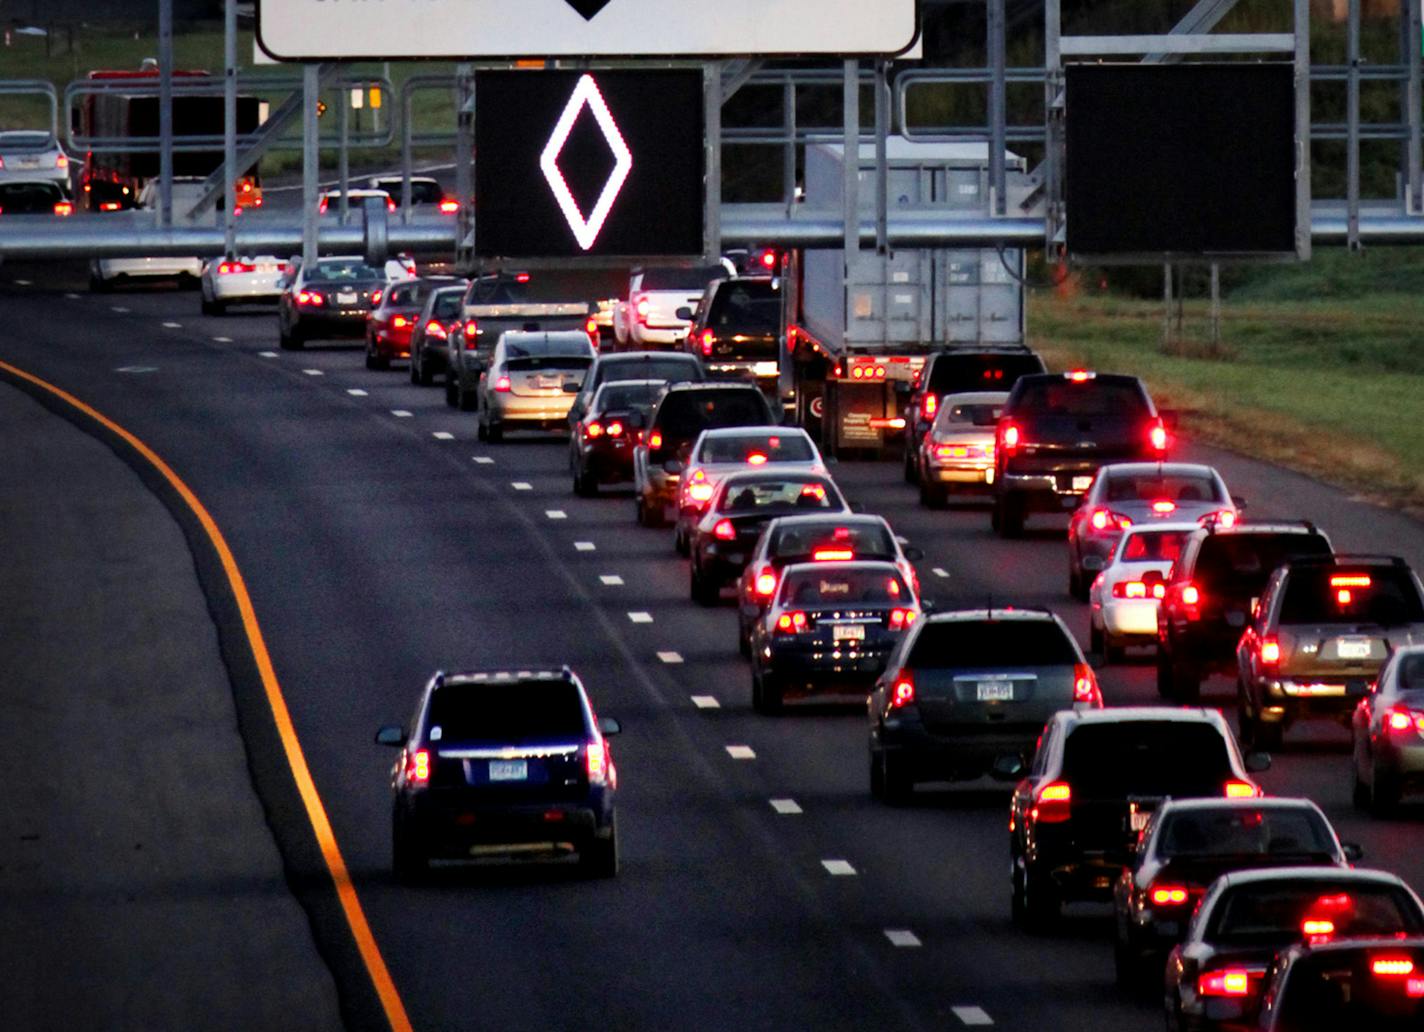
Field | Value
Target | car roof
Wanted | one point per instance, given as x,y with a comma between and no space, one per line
466,677
549,336
650,356
1351,945
1363,875
1117,379
1132,714
743,431
882,565
973,397
995,614
1261,527
630,383
771,476
1223,803
1347,559
1165,468
682,386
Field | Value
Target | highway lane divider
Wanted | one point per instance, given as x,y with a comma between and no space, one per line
210,550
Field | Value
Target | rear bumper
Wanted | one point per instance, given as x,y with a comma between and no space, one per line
608,465
962,474
546,412
1287,699
245,287
955,753
452,827
1130,618
331,324
1045,492
723,562
801,669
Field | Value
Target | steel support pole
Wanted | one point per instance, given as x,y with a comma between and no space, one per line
229,124
1352,121
407,158
1053,119
788,151
165,113
343,152
998,107
850,167
1302,129
712,202
1410,17
465,166
311,155
882,164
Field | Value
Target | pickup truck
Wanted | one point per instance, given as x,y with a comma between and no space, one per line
647,318
501,301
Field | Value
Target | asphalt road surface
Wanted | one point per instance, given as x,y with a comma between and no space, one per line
380,542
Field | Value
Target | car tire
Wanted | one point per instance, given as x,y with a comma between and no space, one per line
744,639
292,341
208,307
1164,673
1113,652
1359,791
1008,518
99,285
703,592
465,401
599,857
1127,966
1095,638
895,778
650,517
409,862
912,468
766,693
1384,791
932,496
680,543
585,486
877,776
1040,904
451,398
494,432
1185,683
415,370
1265,737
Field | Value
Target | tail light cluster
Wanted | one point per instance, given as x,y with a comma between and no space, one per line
434,329
708,339
900,619
1220,518
502,384
1139,590
449,206
1010,437
417,767
595,429
1236,982
471,333
1163,895
598,762
1052,803
793,622
1403,719
1157,437
696,490
1105,521
1402,968
1085,685
310,298
641,308
1234,789
1270,652
724,530
63,208
765,583
399,322
231,268
902,690
944,452
928,407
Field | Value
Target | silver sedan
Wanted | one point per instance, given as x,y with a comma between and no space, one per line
531,381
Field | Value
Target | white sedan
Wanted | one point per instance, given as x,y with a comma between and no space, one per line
1124,596
227,281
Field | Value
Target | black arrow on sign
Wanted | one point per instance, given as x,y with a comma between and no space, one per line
588,8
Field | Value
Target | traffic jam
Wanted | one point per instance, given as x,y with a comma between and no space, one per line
1239,908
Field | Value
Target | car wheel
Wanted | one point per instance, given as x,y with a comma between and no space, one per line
1359,791
1185,684
877,776
912,469
451,398
1267,737
680,543
652,517
585,486
703,592
931,495
1125,965
414,369
895,778
1384,791
1008,516
465,401
744,639
1112,651
1040,904
766,693
208,308
98,284
1095,637
1164,673
494,432
409,861
371,362
599,857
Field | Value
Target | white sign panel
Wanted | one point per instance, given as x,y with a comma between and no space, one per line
296,30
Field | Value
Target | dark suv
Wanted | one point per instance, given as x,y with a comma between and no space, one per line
498,763
1210,593
1096,779
683,412
954,372
736,330
1322,631
1057,429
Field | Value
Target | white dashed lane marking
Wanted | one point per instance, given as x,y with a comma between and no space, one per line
840,868
71,297
172,326
902,937
741,752
786,806
972,1015
443,435
940,572
520,485
556,514
639,616
401,413
585,546
222,340
269,354
706,702
671,658
313,372
120,309
611,579
483,460
23,283
355,392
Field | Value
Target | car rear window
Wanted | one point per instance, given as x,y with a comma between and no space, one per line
746,305
1244,561
993,643
1091,399
681,279
1149,545
344,272
1270,831
1264,913
771,447
968,372
506,713
831,586
532,362
421,191
29,198
685,414
1150,487
406,295
447,305
1333,990
1411,673
863,541
1333,594
614,396
527,347
1147,758
776,495
669,369
980,414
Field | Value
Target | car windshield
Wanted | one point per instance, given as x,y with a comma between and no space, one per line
1242,562
954,644
29,198
615,396
1154,758
1150,487
981,372
1268,831
1334,594
343,271
980,414
681,279
1267,913
746,305
757,448
527,347
505,713
764,496
861,540
1153,545
832,587
1333,990
1411,673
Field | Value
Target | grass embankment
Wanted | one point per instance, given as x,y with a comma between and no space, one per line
1320,368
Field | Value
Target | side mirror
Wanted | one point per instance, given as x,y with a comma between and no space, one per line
1353,851
913,554
1007,767
609,726
1258,761
684,313
392,735
672,467
572,386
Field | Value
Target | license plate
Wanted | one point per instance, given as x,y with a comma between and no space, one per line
994,691
765,369
346,297
1082,483
27,163
509,770
1353,649
848,632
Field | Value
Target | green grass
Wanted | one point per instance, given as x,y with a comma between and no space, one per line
1332,384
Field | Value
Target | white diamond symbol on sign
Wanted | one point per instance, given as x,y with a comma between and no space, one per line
586,230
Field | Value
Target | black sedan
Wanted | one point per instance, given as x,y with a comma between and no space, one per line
330,298
1375,984
829,630
723,540
603,437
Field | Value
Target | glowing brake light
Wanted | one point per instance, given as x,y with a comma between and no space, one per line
449,207
1317,927
61,161
756,459
615,429
928,407
63,208
1080,376
1009,439
1402,718
831,555
502,385
766,583
417,768
902,691
1228,982
1270,652
376,296
1164,506
791,623
1191,596
1138,589
701,492
901,618
1085,685
471,332
1053,803
1351,581
1220,518
400,321
642,308
596,761
724,531
1169,895
434,329
310,297
1241,790
1392,967
1107,520
708,339
768,259
655,439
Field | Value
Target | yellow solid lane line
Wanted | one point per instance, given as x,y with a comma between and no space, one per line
301,774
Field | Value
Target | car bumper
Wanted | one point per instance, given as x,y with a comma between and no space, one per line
157,268
392,345
1291,699
449,826
658,335
609,466
763,372
970,474
1048,492
1130,618
723,562
810,670
955,754
332,324
546,412
246,287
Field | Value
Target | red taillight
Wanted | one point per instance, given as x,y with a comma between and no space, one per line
1009,439
434,329
708,339
756,459
928,407
1234,789
502,385
768,259
449,207
1164,506
1191,596
390,205
376,297
765,583
310,297
1085,685
724,531
831,555
1220,518
233,268
615,429
1402,718
1227,982
1053,803
109,206
1107,521
791,623
1080,375
1138,590
1270,652
655,440
902,691
1317,927
471,332
1169,895
700,493
417,767
321,208
1157,436
642,308
1392,967
399,321
61,161
596,761
63,208
594,429
901,618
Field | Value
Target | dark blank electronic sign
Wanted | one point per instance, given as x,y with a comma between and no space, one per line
603,163
1180,159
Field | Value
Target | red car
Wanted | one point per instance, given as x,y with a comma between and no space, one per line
389,326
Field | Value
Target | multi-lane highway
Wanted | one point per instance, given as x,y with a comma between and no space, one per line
762,887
